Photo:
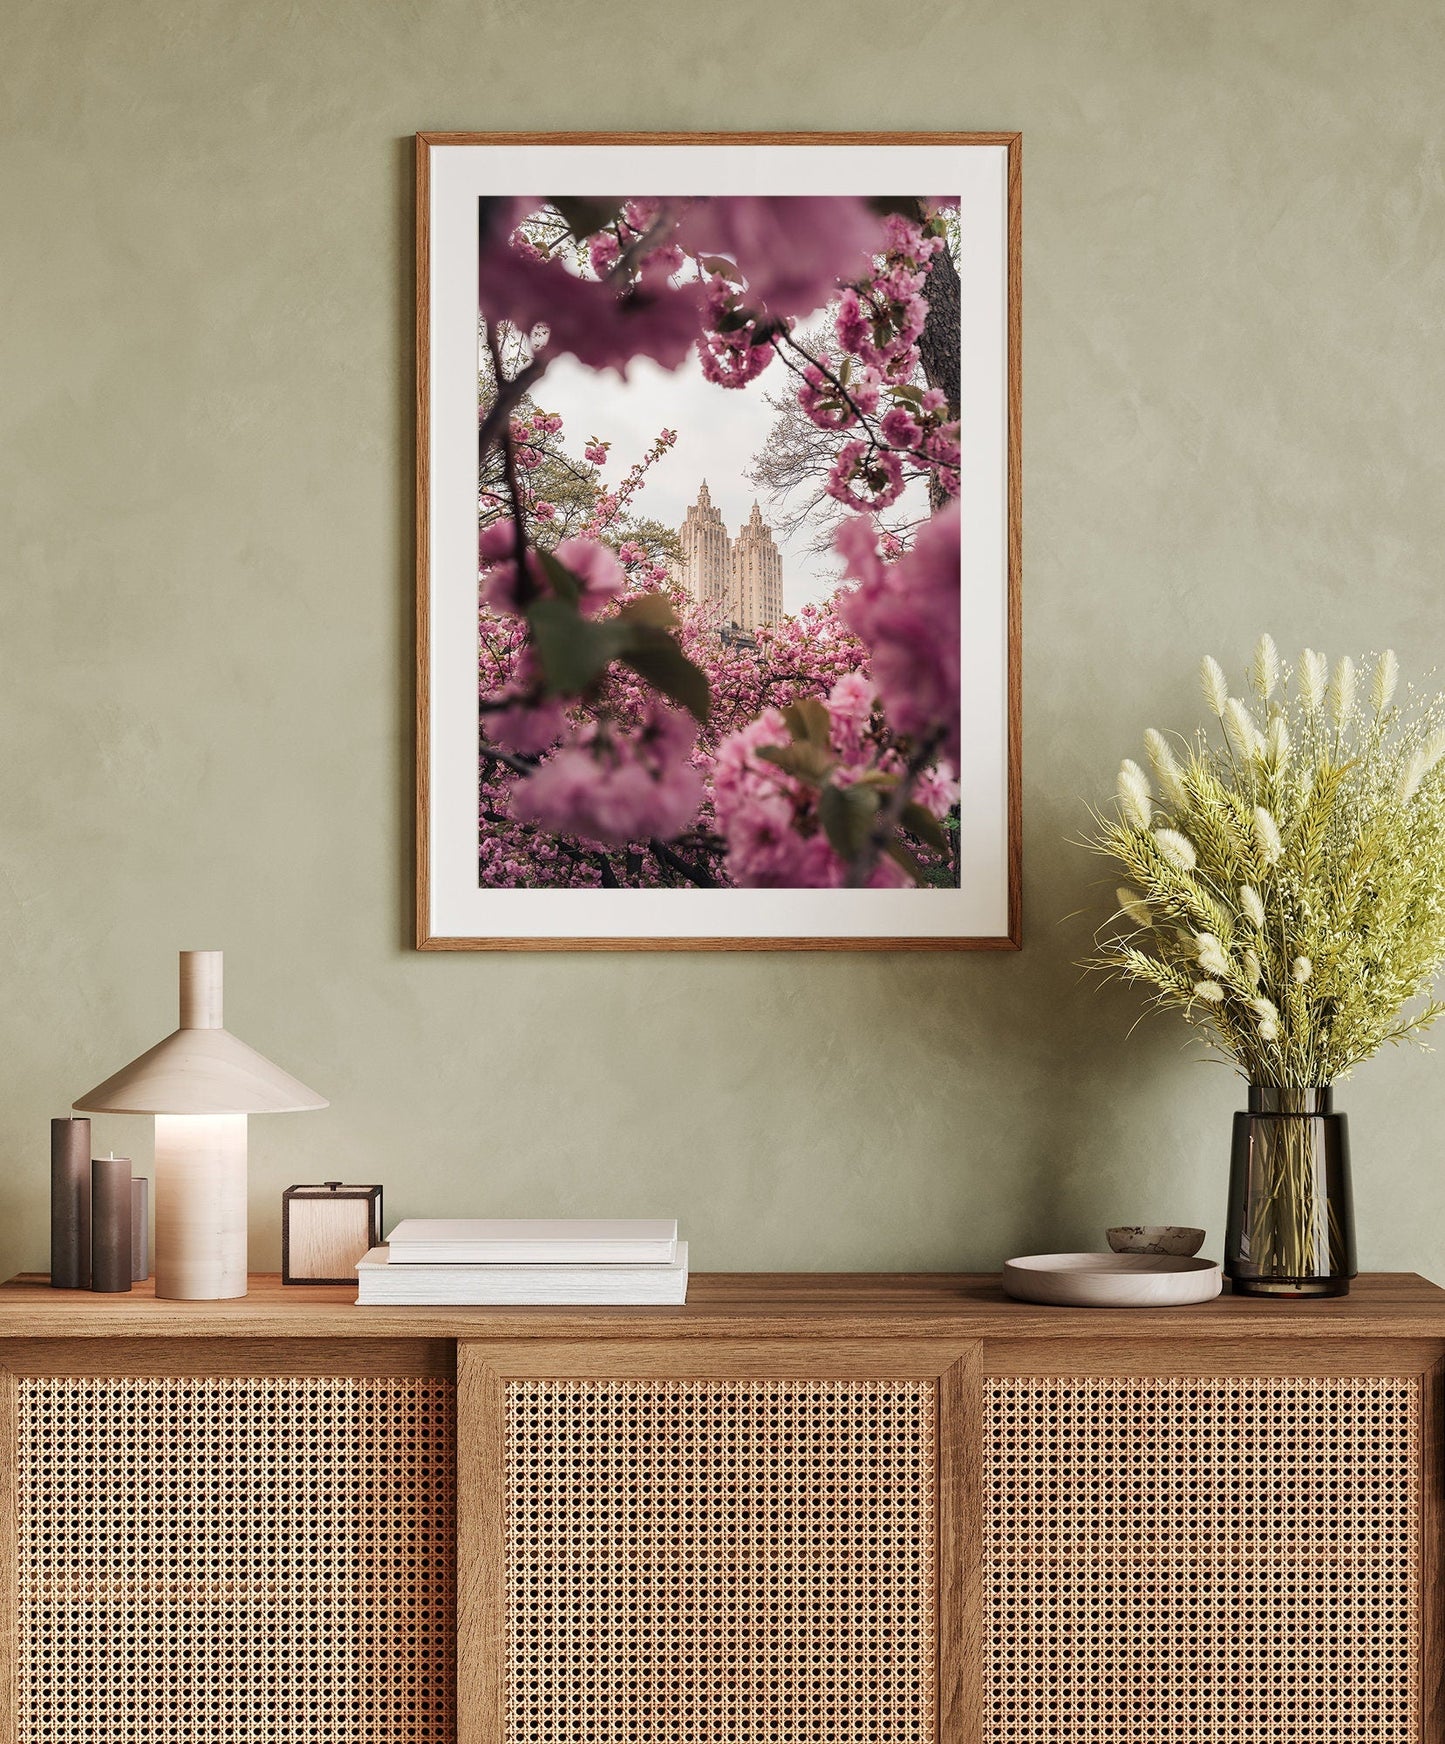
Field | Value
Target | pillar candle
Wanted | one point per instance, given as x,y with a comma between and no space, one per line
140,1230
70,1204
110,1216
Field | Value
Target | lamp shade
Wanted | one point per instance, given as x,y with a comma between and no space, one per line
201,1068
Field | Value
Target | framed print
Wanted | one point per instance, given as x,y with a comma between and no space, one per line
718,594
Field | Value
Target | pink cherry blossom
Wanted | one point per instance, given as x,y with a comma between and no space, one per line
903,236
879,474
735,348
660,264
639,215
602,252
499,588
771,819
851,323
823,403
616,788
736,771
597,567
756,806
527,727
732,361
936,790
496,540
850,710
596,323
794,250
609,505
812,654
764,850
864,390
907,612
899,429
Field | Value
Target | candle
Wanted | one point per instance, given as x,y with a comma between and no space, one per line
110,1219
70,1204
140,1230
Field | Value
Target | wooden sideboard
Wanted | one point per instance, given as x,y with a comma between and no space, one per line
860,1510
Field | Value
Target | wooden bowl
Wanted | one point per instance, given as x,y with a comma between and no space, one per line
1112,1280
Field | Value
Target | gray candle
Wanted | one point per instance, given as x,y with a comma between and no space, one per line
110,1215
140,1230
70,1204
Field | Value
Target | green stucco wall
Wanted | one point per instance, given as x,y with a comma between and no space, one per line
1234,419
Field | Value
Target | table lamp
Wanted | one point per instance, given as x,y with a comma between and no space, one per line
200,1083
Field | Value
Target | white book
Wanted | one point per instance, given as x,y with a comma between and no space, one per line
494,1286
533,1241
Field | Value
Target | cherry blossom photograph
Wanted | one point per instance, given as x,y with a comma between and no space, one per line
743,593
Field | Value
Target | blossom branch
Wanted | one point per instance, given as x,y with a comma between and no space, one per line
694,874
890,814
509,392
877,441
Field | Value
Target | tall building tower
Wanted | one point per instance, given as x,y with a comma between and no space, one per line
757,574
706,554
742,577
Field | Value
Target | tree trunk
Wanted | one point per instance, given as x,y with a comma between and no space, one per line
938,344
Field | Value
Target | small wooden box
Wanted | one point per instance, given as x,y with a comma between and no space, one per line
325,1230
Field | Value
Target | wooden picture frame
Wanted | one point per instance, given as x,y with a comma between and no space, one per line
984,911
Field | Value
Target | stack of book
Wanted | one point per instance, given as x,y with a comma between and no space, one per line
486,1262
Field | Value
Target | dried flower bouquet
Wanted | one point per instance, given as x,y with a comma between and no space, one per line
1287,879
1286,894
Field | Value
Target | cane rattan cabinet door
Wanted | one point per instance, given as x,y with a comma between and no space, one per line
688,1547
247,1559
898,1512
1204,1559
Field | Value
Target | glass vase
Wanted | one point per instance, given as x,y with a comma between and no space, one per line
1291,1227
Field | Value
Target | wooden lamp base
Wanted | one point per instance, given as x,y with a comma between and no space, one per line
200,1206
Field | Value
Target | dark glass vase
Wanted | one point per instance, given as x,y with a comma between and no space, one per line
1291,1229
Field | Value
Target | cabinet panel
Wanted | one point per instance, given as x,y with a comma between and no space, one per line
1224,1560
700,1559
254,1559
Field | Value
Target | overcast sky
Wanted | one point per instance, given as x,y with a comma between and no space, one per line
719,430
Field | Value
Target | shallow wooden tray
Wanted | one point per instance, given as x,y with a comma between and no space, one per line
1112,1280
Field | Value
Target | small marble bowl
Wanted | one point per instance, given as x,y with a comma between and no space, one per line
1156,1238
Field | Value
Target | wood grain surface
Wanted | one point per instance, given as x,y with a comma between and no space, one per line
837,1305
1432,1553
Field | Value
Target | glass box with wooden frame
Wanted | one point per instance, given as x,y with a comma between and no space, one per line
325,1230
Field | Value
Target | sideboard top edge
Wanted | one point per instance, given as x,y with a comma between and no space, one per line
722,1305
